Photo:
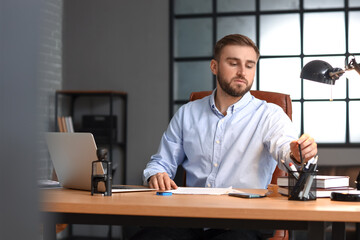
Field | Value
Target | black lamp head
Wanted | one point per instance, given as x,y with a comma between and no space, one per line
321,71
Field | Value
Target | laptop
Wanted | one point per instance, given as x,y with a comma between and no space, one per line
72,155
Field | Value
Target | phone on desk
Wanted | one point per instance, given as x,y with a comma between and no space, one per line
247,195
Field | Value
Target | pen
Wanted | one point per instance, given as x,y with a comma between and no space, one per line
310,168
312,161
308,182
298,188
291,169
301,159
294,170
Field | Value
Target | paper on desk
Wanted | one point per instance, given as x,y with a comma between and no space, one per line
48,184
203,191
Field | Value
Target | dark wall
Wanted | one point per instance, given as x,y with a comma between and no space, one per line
122,46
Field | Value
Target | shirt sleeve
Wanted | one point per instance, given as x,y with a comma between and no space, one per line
170,153
280,131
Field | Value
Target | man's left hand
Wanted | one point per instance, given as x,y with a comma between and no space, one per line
308,148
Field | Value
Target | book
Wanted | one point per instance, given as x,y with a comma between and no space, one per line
63,120
65,124
69,124
322,181
321,192
60,124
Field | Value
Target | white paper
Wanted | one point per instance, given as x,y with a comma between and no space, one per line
48,184
132,190
203,191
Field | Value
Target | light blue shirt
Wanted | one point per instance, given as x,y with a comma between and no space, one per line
240,149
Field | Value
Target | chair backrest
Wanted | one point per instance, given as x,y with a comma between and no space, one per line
283,100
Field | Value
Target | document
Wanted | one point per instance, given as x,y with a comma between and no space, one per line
130,188
48,184
204,191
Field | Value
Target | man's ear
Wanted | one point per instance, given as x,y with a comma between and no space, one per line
214,66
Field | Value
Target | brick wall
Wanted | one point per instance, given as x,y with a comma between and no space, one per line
50,75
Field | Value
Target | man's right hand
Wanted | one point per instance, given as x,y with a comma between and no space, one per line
162,182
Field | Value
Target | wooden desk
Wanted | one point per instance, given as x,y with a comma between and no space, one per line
148,209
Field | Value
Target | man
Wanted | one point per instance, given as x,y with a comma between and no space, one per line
229,138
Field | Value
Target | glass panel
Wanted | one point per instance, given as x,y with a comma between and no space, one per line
254,86
192,6
316,24
323,4
315,90
325,121
281,75
279,4
354,32
354,3
190,77
193,37
242,25
235,5
296,116
354,108
354,81
280,34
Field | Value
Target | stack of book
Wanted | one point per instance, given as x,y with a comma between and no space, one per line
65,124
325,185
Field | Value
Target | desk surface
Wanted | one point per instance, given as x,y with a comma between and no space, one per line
198,206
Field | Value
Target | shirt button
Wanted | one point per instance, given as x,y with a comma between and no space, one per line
215,165
209,185
217,141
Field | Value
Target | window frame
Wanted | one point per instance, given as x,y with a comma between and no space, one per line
257,13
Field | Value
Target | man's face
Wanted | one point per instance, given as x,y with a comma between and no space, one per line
235,70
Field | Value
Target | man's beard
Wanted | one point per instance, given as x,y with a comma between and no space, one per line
232,91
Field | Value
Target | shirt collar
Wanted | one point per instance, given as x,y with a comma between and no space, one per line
233,108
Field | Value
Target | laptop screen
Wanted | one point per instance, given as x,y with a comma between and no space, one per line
72,155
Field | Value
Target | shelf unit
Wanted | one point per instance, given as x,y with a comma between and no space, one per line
111,96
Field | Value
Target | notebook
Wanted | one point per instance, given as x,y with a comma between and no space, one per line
72,155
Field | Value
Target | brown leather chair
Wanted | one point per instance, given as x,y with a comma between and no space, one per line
284,101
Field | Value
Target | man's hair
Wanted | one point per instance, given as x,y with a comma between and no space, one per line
234,39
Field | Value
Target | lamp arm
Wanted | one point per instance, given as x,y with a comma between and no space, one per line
357,68
336,73
353,65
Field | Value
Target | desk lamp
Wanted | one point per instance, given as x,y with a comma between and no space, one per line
323,72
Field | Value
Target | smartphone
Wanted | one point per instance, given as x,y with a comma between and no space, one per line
247,195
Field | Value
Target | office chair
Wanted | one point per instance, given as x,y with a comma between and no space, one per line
284,101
